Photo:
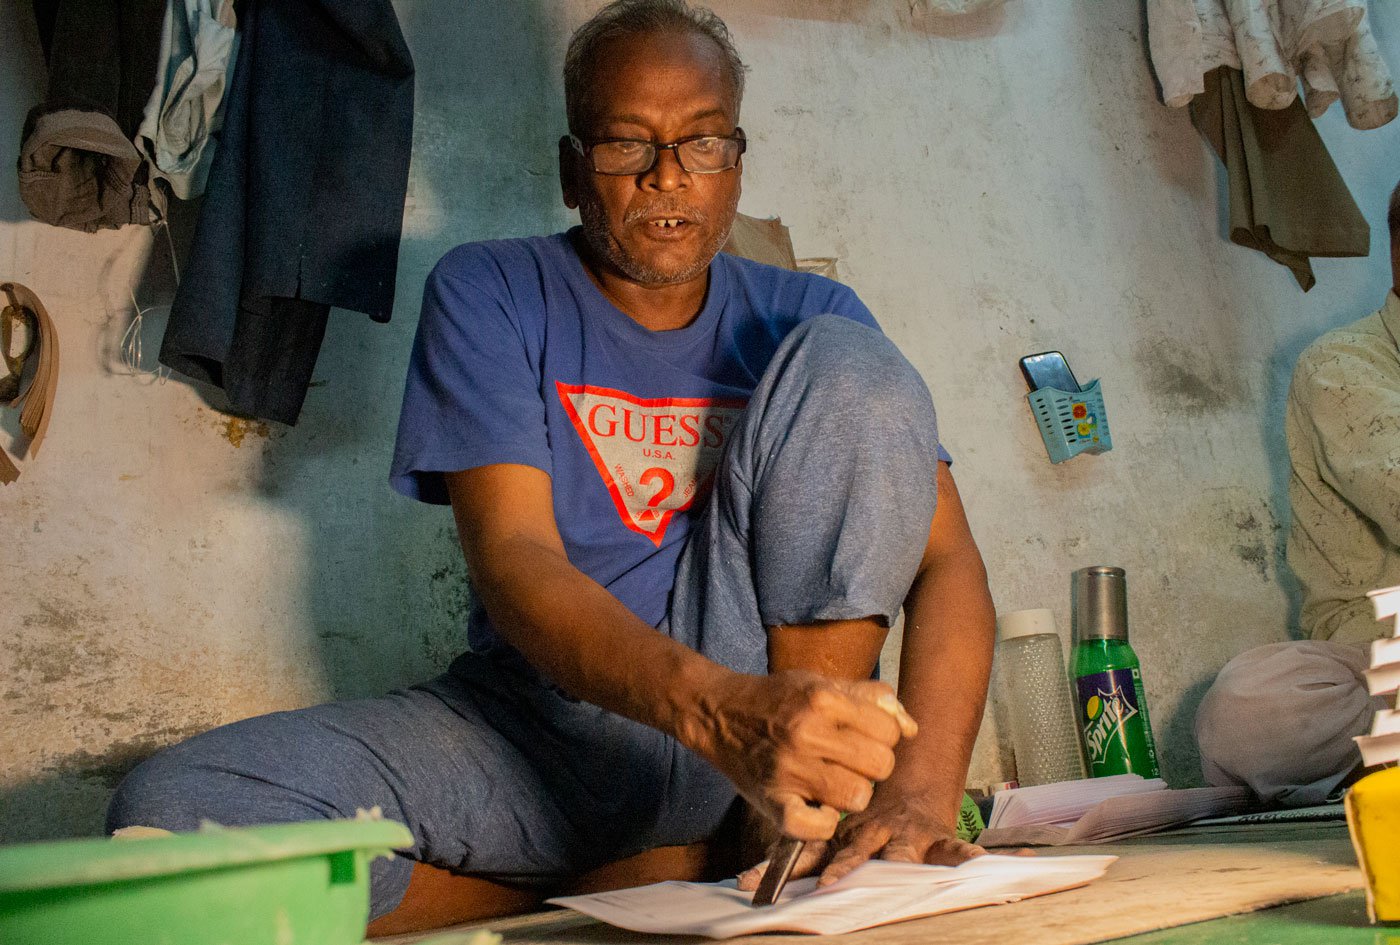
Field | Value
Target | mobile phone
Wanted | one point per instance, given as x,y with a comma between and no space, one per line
1049,369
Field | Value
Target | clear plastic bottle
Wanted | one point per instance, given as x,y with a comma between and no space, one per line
1034,688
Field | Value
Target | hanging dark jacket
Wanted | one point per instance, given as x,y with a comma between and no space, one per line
304,203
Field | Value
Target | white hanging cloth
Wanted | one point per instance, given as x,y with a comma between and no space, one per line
1325,44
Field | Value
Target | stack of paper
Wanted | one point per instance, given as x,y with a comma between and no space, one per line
1382,746
1063,802
875,893
1286,815
1373,803
1097,810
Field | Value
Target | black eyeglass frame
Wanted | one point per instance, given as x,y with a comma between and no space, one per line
585,149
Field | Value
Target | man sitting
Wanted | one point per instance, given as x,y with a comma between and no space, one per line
1280,717
693,492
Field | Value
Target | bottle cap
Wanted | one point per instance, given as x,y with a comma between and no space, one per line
1024,623
1099,603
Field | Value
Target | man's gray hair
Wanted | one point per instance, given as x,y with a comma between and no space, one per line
634,18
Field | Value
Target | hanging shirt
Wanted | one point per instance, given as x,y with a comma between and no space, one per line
1326,43
1343,426
1349,68
198,42
520,358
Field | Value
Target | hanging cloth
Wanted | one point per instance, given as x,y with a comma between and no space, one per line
1327,44
1349,68
26,315
198,45
78,171
1286,197
304,202
78,167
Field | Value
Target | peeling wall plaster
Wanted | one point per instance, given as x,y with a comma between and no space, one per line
992,188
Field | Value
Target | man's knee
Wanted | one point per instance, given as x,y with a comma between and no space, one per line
160,792
237,775
1279,719
203,780
857,364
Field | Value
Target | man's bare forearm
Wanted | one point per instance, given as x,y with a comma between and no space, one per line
586,641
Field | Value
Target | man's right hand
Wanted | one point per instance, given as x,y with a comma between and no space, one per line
801,748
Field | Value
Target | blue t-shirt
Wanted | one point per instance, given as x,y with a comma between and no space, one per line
519,358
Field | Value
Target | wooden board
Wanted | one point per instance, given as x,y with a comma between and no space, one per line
1159,882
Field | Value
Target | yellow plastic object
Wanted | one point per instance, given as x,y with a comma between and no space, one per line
289,884
1373,814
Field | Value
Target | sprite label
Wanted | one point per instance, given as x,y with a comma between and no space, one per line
1113,717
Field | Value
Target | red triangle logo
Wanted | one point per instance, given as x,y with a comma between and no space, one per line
655,456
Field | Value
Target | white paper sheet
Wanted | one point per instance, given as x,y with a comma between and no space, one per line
876,893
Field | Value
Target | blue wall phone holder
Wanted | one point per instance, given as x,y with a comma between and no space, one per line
1071,422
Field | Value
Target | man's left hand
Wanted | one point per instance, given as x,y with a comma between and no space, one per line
894,827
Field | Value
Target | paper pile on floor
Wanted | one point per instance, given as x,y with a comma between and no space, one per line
1382,746
1098,810
1373,803
877,893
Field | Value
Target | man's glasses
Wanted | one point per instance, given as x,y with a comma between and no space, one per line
698,154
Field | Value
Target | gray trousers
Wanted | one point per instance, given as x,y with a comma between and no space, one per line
821,510
1279,719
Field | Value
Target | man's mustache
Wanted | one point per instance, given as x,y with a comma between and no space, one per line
642,214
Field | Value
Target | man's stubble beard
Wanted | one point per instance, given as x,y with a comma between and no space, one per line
600,238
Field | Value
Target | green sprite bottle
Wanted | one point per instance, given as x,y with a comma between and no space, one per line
1107,679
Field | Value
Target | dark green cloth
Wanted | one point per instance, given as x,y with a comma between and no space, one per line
1287,198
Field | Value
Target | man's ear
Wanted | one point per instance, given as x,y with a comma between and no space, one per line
568,172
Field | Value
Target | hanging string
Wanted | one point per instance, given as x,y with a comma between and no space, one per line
132,354
170,245
131,343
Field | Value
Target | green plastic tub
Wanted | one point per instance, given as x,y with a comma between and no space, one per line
289,884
